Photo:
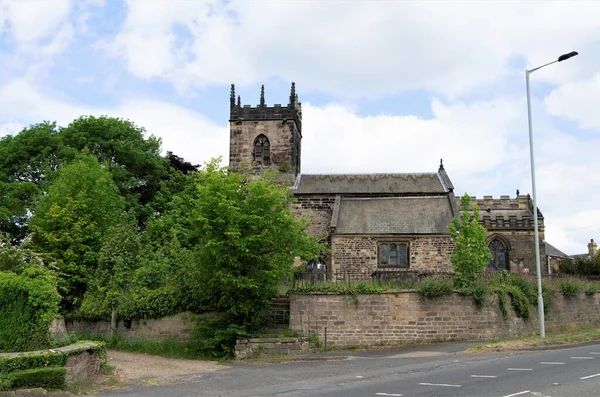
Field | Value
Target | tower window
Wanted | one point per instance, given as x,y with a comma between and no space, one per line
262,150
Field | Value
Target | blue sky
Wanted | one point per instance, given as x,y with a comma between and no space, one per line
386,86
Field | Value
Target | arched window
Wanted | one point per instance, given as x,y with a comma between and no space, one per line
499,259
262,150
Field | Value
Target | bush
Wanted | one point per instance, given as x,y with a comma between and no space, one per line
478,291
142,303
216,337
28,304
47,378
431,287
570,287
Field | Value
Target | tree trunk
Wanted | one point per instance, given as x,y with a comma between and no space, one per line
113,321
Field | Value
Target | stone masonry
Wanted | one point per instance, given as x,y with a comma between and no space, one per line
282,125
355,257
177,326
511,221
404,317
255,347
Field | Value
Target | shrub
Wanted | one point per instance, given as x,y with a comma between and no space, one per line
28,304
47,378
215,337
431,287
590,289
478,291
570,287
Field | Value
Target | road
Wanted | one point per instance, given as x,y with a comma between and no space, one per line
418,372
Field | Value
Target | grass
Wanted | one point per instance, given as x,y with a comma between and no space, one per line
564,336
170,348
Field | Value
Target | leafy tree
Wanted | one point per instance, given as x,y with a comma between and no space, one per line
72,219
118,258
27,162
15,258
30,159
247,239
470,255
134,161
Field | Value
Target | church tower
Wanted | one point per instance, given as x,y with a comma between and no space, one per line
266,136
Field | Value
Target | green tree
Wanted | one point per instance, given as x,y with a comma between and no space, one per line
15,258
72,219
470,255
247,241
118,258
134,161
27,162
30,159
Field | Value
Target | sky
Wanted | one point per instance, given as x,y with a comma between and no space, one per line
385,86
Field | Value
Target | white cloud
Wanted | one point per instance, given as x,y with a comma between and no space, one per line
577,101
32,20
188,134
356,48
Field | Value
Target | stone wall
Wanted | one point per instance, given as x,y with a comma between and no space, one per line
402,317
521,253
255,347
177,326
355,257
284,139
317,210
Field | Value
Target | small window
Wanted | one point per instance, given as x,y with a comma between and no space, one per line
393,254
262,150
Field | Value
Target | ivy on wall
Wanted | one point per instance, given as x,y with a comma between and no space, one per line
28,304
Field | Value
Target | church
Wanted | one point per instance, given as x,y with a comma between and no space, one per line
377,226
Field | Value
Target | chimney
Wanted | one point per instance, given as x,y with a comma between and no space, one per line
592,247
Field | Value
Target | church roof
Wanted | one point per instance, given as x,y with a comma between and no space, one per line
393,215
414,183
553,251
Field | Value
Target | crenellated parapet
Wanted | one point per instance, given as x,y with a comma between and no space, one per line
292,111
505,213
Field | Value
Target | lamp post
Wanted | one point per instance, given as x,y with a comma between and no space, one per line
561,58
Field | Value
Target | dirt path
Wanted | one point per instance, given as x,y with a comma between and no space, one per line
143,368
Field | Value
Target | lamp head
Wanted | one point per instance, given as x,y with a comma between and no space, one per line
564,57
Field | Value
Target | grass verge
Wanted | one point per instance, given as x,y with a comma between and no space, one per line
556,338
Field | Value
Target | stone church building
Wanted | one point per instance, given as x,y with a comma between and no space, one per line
377,225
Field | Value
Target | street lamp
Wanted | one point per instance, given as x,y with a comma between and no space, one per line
561,58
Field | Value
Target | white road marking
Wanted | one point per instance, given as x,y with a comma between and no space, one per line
519,369
483,376
438,384
387,394
551,363
582,358
589,376
594,352
516,394
359,376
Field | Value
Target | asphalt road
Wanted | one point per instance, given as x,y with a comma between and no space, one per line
432,372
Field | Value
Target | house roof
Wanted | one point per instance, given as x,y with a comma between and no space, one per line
553,251
393,215
413,183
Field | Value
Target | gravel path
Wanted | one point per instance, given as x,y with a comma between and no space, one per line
144,368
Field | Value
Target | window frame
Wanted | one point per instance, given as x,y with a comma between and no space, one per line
262,141
388,244
498,243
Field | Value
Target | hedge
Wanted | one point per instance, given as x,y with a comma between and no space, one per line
47,378
42,369
28,304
